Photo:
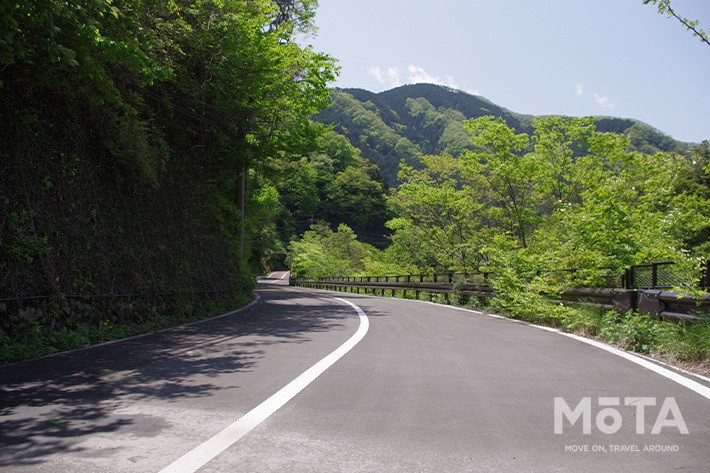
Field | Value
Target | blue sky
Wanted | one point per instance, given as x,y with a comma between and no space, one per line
569,57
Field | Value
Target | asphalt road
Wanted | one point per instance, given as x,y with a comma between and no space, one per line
300,381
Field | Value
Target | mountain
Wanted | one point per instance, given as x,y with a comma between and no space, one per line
408,121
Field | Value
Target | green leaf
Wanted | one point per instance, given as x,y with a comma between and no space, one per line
68,56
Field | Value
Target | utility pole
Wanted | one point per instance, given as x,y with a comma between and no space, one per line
241,188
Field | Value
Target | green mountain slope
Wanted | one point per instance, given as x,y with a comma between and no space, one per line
414,120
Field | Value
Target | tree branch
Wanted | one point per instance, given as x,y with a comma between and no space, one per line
691,26
664,6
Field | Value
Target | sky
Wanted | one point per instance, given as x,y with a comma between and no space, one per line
540,57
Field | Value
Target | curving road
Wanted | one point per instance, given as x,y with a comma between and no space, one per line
303,381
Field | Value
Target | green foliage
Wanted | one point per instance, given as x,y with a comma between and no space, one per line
364,127
320,252
639,333
24,245
130,122
29,339
338,149
425,119
261,232
438,224
333,183
570,196
564,196
81,39
24,340
665,8
676,340
687,341
508,176
691,200
354,197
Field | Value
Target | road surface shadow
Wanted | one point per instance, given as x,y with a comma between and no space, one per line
47,405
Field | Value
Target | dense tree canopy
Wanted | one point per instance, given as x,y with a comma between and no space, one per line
168,147
564,196
139,139
426,119
578,199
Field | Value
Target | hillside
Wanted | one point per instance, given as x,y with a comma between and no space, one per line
140,175
421,119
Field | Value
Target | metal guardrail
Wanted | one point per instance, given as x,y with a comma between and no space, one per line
656,275
641,289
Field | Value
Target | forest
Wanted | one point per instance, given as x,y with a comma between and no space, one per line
425,119
525,209
143,143
472,179
158,155
565,196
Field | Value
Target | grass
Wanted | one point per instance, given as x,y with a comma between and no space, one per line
677,342
682,340
29,340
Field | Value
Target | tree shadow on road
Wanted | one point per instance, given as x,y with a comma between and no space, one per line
49,405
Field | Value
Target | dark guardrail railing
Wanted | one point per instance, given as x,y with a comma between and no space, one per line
644,287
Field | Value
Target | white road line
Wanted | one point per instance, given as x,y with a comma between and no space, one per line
273,279
672,375
203,453
649,365
645,363
147,334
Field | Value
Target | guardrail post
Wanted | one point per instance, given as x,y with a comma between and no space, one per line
654,275
624,300
632,277
649,302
